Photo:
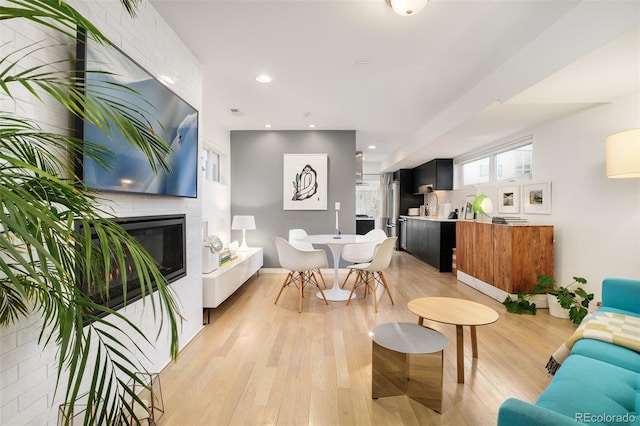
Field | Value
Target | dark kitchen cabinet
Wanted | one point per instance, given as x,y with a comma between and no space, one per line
436,173
407,198
432,241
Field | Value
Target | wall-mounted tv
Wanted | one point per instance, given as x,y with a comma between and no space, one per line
172,118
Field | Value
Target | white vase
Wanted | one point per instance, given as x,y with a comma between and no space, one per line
555,310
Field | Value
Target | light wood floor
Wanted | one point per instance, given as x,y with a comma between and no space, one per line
263,364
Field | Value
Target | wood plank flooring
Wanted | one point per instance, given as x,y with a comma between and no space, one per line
258,363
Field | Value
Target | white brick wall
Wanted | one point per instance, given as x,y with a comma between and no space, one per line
28,370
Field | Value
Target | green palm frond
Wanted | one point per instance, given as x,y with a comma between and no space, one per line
44,251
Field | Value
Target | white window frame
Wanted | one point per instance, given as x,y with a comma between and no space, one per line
492,153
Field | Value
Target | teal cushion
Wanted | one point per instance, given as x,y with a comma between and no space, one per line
608,352
583,386
618,311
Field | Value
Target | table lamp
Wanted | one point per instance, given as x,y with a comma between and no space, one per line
243,222
483,205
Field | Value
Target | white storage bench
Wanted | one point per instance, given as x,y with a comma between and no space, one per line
218,285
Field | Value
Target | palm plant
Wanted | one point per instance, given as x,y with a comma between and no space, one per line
42,254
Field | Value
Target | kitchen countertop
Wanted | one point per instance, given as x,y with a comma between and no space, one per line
364,218
431,218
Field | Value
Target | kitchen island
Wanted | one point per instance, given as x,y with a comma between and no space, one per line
431,240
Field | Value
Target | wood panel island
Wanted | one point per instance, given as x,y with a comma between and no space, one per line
503,259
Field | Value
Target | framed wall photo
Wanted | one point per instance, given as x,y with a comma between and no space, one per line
537,198
509,199
305,182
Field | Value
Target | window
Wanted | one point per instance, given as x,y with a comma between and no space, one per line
514,164
476,172
510,161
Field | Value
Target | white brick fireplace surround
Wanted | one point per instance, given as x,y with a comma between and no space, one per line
27,372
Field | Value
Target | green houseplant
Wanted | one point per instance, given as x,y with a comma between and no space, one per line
43,255
573,297
575,300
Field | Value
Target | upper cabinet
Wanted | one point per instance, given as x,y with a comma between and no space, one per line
436,173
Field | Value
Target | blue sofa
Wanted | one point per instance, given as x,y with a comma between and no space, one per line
598,384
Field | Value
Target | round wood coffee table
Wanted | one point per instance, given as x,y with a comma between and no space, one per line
458,312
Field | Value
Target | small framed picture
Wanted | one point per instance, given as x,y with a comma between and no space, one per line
509,199
468,207
537,198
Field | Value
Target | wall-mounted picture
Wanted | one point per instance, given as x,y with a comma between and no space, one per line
509,199
537,198
305,182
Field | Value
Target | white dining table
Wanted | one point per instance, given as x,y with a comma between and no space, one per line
336,244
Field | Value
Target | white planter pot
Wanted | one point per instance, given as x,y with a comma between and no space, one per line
555,310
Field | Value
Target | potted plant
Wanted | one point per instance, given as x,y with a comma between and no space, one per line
43,254
570,302
523,303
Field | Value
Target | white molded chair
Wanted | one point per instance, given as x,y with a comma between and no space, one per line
362,253
295,235
301,265
370,274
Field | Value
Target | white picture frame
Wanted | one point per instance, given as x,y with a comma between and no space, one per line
537,198
468,207
509,199
304,185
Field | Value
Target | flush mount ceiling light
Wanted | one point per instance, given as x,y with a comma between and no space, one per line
407,7
371,147
263,78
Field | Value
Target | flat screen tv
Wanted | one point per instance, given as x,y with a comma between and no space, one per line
171,117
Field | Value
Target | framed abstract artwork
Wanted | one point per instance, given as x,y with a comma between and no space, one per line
305,182
537,198
509,199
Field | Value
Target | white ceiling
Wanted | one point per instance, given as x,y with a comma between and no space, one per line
459,75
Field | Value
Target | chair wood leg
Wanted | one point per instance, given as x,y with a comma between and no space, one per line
324,283
374,293
301,291
355,283
284,284
386,286
319,288
347,278
366,283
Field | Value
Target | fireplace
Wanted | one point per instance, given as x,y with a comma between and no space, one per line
164,239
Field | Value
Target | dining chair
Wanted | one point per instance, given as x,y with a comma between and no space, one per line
295,236
370,274
301,265
362,252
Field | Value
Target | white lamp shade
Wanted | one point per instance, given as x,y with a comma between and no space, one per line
407,7
243,222
623,154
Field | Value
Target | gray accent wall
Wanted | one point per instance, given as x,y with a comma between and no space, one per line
257,187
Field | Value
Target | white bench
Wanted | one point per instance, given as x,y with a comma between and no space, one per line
218,285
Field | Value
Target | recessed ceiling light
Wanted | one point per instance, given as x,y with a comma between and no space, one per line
313,126
263,78
371,147
268,126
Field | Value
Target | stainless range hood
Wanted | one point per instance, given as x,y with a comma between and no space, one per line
359,168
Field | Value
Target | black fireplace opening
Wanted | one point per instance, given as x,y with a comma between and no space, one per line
163,237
